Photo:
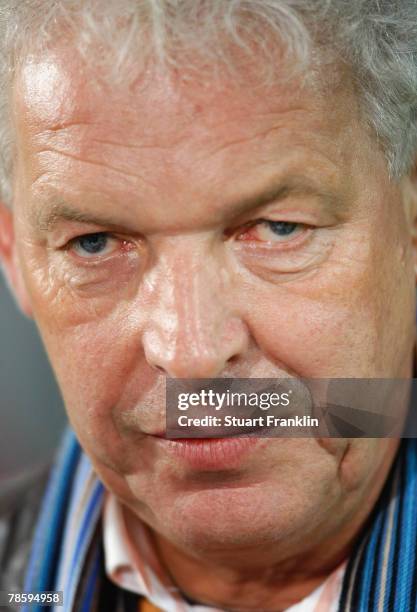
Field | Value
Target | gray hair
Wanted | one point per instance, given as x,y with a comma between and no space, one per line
376,40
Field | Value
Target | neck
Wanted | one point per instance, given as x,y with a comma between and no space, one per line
267,586
268,578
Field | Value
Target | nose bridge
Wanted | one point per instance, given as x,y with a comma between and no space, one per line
192,330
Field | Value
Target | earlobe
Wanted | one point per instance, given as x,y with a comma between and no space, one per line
9,260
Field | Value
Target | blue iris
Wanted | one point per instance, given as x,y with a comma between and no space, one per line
282,228
93,243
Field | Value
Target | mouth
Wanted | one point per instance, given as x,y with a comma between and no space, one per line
209,453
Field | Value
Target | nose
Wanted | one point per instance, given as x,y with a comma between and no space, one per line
192,328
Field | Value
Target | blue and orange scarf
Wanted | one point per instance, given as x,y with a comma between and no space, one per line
67,553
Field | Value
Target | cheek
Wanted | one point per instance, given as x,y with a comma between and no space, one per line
93,364
353,316
99,364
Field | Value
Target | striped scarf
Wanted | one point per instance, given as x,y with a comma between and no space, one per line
67,552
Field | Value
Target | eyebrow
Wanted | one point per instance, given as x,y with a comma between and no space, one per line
59,210
49,216
295,185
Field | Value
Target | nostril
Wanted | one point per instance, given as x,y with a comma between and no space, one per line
233,359
158,368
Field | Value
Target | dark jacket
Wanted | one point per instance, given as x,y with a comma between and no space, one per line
20,501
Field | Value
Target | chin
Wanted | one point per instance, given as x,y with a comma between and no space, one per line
228,518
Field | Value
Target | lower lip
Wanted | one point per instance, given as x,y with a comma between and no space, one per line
210,453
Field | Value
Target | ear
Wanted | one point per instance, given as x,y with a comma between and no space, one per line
10,261
409,195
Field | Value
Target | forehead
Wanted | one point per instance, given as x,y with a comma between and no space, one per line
58,89
167,140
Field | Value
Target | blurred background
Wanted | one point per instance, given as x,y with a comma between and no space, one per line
32,417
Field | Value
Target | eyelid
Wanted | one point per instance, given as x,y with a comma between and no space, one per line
62,239
93,233
252,224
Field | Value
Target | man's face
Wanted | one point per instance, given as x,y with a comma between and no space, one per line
203,230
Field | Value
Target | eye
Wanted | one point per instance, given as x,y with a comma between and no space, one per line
89,245
273,231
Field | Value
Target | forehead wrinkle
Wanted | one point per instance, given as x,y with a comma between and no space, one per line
84,160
